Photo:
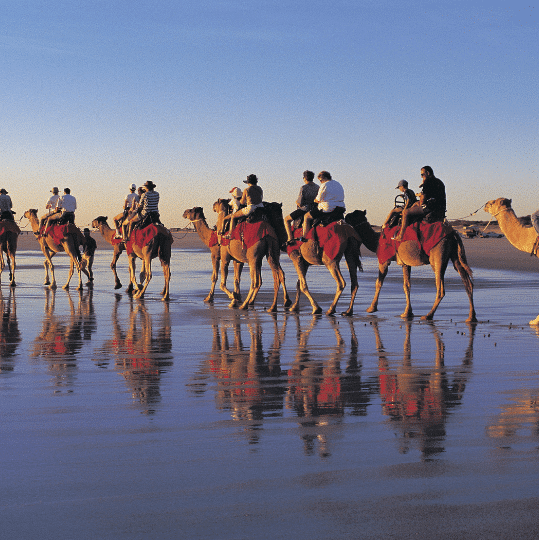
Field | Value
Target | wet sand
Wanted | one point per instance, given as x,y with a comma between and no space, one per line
137,419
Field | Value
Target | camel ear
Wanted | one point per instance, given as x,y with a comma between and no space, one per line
365,212
106,217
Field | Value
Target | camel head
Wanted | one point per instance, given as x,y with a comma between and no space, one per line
98,221
497,205
31,213
222,205
193,214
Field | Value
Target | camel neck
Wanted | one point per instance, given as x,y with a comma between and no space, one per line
204,232
368,236
521,237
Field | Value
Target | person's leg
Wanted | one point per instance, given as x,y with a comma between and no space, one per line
407,215
307,222
288,226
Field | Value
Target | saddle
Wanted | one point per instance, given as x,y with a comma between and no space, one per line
151,218
7,216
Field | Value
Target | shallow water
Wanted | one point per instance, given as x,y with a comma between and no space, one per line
137,419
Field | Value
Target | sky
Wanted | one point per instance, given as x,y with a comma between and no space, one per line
196,95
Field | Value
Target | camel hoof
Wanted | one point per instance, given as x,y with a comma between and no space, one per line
427,317
371,309
272,309
287,302
347,313
317,310
53,287
13,284
407,316
118,286
208,299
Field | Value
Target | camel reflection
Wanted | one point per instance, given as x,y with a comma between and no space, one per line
62,337
319,392
419,400
141,353
248,377
10,335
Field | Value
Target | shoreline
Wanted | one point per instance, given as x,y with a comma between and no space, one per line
490,253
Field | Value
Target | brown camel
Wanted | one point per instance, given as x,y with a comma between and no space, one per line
408,255
158,246
197,218
8,245
108,234
523,238
268,247
311,254
70,244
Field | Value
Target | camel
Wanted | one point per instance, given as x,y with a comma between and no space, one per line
311,254
408,255
266,246
69,244
159,246
523,238
8,245
108,234
197,218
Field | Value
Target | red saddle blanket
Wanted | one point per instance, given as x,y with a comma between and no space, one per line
142,237
427,235
9,226
214,239
58,232
250,233
328,239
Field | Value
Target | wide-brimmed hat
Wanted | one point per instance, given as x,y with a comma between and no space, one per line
3,191
54,190
402,183
149,184
251,179
236,192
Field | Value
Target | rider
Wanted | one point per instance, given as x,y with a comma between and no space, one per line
330,201
148,206
131,199
65,208
409,199
132,213
50,206
252,199
432,201
236,198
305,203
5,206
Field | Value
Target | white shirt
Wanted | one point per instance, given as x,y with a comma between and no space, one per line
130,200
67,203
330,195
51,203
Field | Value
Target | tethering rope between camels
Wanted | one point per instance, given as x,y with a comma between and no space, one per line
473,214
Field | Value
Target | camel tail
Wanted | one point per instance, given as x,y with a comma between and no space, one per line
461,256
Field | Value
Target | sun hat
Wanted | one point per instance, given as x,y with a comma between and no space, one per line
251,179
236,192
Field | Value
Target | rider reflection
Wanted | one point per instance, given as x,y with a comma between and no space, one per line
418,400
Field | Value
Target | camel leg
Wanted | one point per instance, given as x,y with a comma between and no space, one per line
335,271
238,267
165,294
439,268
115,256
215,261
148,277
301,268
70,274
468,285
278,280
382,273
255,270
49,266
353,263
133,285
406,271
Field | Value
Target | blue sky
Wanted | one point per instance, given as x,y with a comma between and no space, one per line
196,95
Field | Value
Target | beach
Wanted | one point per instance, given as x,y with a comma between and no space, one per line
128,418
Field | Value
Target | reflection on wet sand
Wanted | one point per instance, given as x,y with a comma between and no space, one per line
418,400
61,337
248,378
139,355
319,392
252,385
10,335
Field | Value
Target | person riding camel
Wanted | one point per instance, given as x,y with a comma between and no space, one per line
409,198
252,198
148,208
432,202
236,198
305,203
330,199
65,209
132,213
5,206
50,207
130,201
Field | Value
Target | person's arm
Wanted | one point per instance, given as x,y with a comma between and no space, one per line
320,195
